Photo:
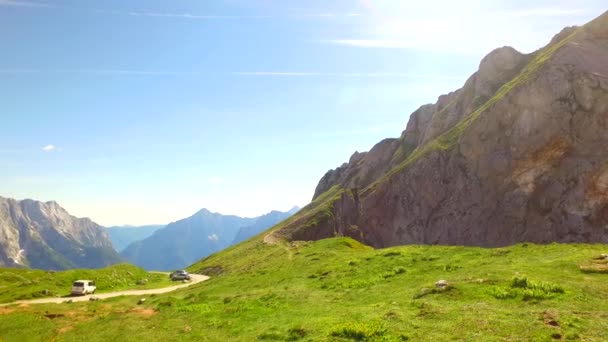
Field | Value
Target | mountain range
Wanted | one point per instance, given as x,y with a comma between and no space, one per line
517,154
181,243
44,235
261,224
122,236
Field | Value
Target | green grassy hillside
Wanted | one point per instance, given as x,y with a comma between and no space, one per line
340,290
19,284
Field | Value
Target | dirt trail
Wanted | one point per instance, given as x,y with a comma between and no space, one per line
196,278
270,239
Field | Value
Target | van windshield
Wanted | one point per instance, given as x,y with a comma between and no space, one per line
78,284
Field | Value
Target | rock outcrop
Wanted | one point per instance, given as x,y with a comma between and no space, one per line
519,153
44,235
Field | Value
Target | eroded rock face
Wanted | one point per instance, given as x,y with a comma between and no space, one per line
362,168
44,235
532,167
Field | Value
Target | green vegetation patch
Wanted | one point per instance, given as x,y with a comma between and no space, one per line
22,284
522,287
340,290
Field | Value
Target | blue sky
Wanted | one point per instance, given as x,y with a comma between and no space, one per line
146,111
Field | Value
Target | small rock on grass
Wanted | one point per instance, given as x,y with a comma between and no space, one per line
442,283
141,301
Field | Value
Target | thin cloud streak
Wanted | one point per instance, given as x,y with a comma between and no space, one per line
237,73
339,74
98,71
547,12
173,15
373,43
19,3
49,148
442,34
193,16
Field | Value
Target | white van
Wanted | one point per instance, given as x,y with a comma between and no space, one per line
83,287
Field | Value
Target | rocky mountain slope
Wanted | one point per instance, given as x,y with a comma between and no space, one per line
517,154
181,243
45,236
122,236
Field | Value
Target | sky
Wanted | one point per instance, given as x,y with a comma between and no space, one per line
145,111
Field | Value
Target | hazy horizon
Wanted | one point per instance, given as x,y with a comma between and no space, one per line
145,112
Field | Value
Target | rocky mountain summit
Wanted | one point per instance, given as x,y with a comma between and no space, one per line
519,153
44,235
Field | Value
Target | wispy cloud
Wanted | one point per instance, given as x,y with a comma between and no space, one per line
213,237
328,15
374,43
152,73
195,16
340,74
547,12
96,71
318,13
20,3
24,3
198,16
439,26
49,148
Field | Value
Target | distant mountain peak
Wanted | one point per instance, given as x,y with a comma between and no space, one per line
181,243
44,235
205,212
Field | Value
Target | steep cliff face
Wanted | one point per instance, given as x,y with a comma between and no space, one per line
518,154
428,122
44,235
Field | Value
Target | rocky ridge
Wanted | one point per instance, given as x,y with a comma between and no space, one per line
517,154
44,235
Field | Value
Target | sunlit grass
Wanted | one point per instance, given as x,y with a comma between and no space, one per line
340,290
21,284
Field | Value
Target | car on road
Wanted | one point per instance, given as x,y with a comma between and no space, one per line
83,287
180,275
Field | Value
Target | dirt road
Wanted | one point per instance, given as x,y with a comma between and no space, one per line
196,278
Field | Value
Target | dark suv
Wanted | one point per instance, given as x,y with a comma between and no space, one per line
180,275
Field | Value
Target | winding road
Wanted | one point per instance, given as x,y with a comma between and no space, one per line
196,278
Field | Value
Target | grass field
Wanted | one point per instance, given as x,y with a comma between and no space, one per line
20,284
340,290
